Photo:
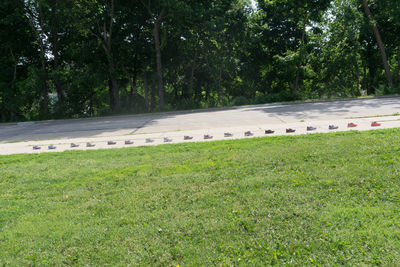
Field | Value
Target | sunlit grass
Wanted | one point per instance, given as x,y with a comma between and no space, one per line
315,199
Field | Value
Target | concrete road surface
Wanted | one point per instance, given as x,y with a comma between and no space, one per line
21,137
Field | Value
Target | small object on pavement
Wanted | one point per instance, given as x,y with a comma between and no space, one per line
111,143
207,136
290,130
52,147
350,125
269,131
248,133
333,127
128,142
36,147
373,124
187,137
88,144
167,140
311,128
149,140
74,145
228,134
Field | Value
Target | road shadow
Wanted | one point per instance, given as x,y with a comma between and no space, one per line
133,124
337,108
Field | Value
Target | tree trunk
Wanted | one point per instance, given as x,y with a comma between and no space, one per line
380,43
115,90
397,73
116,93
133,92
371,73
54,42
197,93
220,93
358,81
111,71
132,82
111,94
365,79
146,92
43,63
358,77
104,37
12,114
15,67
44,84
91,109
60,94
153,95
15,72
158,61
176,94
191,82
295,86
57,82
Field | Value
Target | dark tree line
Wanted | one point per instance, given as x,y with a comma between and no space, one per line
75,58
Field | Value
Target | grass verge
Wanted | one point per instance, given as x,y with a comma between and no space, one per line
325,199
376,116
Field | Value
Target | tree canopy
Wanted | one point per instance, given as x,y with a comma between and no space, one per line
66,59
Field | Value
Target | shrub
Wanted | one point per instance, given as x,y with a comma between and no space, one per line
187,104
240,101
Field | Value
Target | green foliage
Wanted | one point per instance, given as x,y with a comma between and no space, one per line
240,101
62,59
187,104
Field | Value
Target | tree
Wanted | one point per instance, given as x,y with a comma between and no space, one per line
93,57
284,28
380,43
17,52
97,19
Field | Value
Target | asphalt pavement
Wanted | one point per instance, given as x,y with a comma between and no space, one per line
21,137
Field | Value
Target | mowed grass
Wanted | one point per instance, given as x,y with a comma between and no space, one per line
320,199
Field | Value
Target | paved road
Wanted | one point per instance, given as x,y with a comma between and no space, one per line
176,124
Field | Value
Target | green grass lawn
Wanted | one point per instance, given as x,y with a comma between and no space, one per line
326,199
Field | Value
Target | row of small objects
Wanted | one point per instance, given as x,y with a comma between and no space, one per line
207,136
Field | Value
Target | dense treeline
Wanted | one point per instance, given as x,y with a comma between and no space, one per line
75,58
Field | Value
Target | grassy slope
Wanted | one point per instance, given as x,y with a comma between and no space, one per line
325,199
